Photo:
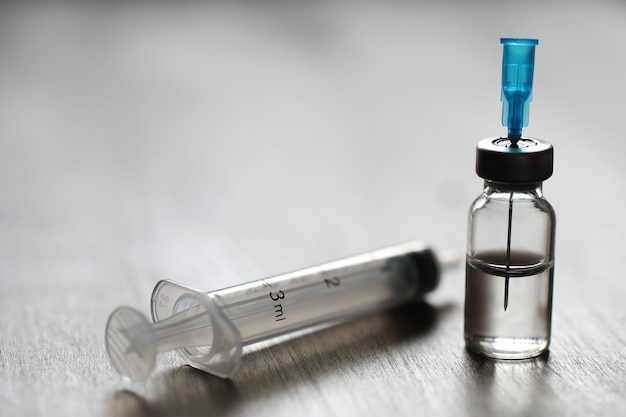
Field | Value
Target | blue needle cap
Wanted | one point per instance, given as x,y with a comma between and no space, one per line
518,65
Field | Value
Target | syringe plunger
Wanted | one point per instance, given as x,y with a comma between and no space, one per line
210,329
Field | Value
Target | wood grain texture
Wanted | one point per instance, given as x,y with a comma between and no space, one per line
216,144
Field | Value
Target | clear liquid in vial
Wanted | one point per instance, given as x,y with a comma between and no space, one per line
522,330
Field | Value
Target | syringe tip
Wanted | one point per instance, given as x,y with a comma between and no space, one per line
448,258
130,343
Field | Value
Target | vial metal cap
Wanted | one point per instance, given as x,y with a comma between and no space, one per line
525,161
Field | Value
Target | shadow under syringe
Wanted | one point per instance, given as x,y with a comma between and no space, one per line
282,363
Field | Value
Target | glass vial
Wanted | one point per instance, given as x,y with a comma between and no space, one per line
510,251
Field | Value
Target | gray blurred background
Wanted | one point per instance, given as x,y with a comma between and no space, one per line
218,142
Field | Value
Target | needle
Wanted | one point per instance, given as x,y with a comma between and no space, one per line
508,254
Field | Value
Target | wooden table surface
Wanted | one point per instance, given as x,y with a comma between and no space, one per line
219,143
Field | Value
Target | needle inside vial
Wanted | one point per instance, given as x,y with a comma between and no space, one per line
508,253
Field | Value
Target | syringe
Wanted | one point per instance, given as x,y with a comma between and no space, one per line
210,329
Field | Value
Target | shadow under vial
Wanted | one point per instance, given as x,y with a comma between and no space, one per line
508,387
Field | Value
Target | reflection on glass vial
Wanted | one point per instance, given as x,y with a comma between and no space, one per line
523,329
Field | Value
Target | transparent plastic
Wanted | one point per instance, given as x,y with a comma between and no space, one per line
509,272
210,329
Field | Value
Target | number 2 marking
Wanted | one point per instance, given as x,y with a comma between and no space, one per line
333,282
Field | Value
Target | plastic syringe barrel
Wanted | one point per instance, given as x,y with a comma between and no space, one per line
333,291
220,323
